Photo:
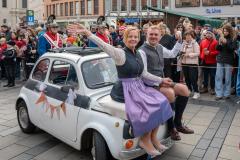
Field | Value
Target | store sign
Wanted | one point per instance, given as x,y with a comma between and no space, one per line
131,20
213,10
30,17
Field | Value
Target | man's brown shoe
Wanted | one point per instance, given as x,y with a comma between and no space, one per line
185,130
204,90
175,135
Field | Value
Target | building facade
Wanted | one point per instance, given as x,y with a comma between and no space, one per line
136,10
83,11
38,7
12,12
131,11
223,9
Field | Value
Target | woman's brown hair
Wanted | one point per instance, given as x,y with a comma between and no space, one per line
230,30
191,33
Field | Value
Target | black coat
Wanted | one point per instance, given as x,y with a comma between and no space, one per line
10,56
227,51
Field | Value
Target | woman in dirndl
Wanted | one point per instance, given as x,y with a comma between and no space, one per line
146,108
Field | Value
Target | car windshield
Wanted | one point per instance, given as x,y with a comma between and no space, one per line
99,73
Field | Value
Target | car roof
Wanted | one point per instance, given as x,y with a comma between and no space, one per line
82,51
72,53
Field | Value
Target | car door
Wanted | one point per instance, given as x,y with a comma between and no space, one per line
33,93
59,115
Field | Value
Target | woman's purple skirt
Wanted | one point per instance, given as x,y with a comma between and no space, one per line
146,108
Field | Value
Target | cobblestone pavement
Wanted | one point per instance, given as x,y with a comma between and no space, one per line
216,125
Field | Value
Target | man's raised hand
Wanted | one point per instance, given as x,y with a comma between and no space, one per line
78,29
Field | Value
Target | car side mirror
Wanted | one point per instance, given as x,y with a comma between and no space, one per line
67,88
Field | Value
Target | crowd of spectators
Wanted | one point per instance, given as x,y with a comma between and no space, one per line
207,62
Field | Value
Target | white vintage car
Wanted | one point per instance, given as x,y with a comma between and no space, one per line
67,95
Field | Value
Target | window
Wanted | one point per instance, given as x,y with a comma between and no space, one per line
96,7
123,5
83,7
133,5
144,4
40,70
77,11
236,2
99,73
61,9
4,3
24,3
57,10
66,8
164,4
47,11
63,73
71,8
155,3
4,21
89,7
216,2
114,5
53,9
187,3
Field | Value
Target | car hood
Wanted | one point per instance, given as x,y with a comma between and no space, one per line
106,104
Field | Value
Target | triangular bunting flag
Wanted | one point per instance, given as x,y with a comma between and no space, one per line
42,98
63,107
58,112
47,106
52,110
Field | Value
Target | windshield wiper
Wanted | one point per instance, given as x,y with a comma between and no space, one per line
102,83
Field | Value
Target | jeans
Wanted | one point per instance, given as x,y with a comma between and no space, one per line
18,68
238,76
10,72
191,76
212,73
223,73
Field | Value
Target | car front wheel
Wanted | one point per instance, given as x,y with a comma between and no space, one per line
100,149
23,118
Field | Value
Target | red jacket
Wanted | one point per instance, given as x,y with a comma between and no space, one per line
211,46
2,49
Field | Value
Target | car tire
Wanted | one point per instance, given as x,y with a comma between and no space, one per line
23,118
100,149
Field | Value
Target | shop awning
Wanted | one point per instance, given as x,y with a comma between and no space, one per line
202,20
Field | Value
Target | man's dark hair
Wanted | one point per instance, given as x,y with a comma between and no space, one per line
112,26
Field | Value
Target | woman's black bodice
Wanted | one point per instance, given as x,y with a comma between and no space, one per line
132,68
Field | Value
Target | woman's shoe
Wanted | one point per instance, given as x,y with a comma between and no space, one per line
152,153
162,148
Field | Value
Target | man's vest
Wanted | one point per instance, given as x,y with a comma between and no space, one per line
155,61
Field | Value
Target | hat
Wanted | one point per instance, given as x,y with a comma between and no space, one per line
122,28
11,43
52,24
210,30
207,25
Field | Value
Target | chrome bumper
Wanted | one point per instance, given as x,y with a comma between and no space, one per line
137,152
